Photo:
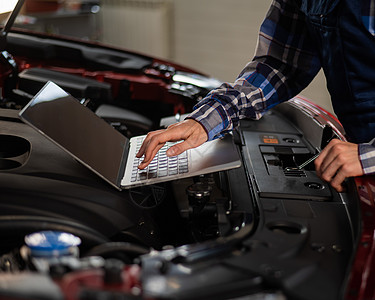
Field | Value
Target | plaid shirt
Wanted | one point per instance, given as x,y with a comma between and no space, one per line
285,63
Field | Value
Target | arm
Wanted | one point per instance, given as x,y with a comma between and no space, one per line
285,63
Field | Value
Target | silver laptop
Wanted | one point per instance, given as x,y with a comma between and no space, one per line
97,145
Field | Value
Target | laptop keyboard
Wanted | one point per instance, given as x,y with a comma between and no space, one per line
161,165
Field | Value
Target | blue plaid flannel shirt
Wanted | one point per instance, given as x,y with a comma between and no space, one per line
285,62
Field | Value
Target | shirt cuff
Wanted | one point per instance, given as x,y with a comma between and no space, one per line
367,157
213,117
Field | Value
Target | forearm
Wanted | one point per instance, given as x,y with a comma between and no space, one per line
222,109
269,79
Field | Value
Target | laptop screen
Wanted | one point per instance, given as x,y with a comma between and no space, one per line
75,128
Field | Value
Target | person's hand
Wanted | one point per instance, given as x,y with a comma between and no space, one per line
191,132
337,161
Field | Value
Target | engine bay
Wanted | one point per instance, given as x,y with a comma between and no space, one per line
265,230
247,231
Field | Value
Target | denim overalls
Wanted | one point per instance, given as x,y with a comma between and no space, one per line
347,54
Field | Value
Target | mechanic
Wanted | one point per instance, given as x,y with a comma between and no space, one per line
296,39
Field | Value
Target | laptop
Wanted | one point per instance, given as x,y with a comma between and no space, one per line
101,148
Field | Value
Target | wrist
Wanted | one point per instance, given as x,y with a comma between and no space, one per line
213,118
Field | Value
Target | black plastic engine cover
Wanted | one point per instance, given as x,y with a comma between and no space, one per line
43,188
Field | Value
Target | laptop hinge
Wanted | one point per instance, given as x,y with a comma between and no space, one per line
124,160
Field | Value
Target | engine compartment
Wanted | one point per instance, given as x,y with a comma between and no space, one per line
261,231
247,231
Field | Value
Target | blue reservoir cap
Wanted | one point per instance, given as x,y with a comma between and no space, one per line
51,243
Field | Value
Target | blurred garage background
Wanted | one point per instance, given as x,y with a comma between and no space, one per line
216,37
